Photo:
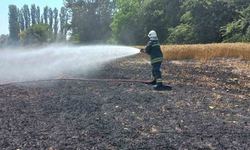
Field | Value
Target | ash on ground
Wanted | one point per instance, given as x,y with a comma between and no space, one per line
207,109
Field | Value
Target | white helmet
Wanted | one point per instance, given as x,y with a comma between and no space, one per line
152,34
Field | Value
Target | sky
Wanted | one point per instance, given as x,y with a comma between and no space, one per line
4,10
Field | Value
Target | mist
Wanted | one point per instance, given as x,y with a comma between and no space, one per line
57,62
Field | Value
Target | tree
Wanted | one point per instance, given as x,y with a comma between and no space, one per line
26,13
63,19
159,15
36,34
66,25
55,23
45,14
38,14
134,19
205,17
33,14
13,24
88,23
126,27
107,8
50,17
238,4
21,20
42,19
239,29
182,34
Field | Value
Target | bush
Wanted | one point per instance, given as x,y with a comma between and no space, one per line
4,40
182,34
36,34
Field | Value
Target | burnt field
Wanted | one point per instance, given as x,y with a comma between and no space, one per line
208,108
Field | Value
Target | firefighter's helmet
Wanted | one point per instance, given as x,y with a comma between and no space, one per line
152,34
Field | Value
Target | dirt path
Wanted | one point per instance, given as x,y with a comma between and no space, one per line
207,109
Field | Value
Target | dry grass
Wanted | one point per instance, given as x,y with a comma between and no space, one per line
205,52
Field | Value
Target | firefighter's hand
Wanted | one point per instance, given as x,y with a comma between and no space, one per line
142,51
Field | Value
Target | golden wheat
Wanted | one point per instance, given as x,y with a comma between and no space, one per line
205,52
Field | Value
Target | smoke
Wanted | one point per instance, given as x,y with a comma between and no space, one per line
56,62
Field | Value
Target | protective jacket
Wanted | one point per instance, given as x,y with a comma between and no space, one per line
154,50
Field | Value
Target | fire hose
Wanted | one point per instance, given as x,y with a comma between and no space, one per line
82,79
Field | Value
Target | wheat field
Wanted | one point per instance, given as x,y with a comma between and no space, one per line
205,52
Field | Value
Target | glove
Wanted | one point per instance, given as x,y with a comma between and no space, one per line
142,51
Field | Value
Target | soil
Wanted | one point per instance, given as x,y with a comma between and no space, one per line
208,108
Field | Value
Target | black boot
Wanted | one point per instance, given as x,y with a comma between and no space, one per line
160,87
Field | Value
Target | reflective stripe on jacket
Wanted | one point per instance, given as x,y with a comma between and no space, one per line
154,50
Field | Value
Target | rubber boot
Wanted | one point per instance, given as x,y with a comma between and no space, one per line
158,87
161,87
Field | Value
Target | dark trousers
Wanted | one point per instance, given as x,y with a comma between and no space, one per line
156,72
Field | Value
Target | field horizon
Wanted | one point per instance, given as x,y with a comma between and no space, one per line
205,52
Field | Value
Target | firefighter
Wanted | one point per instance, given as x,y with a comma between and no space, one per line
154,50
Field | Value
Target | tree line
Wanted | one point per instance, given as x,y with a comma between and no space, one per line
30,26
176,21
129,21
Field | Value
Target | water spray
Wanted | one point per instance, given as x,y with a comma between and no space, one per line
18,66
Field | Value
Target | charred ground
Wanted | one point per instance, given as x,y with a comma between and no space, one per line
207,109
